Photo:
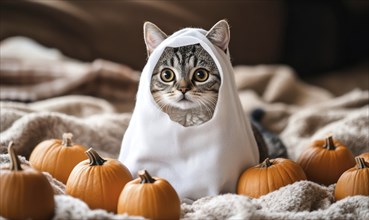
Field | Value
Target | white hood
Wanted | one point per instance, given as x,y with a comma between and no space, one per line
199,160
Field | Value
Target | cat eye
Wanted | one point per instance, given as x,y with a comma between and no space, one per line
201,75
167,75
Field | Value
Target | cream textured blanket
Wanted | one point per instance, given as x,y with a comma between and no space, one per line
297,111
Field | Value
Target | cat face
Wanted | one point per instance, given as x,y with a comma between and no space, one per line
185,82
186,78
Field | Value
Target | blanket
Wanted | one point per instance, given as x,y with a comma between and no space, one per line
50,94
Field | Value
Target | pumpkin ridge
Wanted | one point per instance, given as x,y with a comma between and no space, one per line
69,161
5,195
143,193
331,158
301,174
266,173
84,172
39,156
76,174
356,179
21,192
260,185
257,176
56,168
321,155
310,155
343,157
280,180
286,172
102,190
162,195
46,152
154,197
269,182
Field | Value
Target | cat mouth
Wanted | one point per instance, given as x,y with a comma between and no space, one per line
184,102
184,99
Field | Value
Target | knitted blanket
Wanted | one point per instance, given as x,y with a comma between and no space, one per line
298,112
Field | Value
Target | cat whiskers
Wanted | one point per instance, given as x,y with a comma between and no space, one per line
208,104
161,103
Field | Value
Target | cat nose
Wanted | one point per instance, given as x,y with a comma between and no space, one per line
183,86
183,89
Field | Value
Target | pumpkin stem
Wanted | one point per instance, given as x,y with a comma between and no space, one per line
67,139
145,177
329,144
15,164
360,163
266,163
95,158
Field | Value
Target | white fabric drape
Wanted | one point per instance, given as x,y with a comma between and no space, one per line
199,160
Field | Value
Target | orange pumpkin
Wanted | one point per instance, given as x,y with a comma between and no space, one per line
354,181
98,181
153,198
25,193
268,176
57,157
324,161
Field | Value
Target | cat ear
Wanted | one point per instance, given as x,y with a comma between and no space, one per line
219,35
153,36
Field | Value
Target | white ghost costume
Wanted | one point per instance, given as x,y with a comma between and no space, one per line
199,160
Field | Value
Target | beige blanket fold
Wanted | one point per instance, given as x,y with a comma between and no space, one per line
94,101
31,72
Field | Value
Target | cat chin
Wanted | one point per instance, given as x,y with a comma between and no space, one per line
185,104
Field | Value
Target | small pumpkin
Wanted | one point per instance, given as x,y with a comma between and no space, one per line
58,157
98,181
151,197
268,176
25,193
354,181
324,161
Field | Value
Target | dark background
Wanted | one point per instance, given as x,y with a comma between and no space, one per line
311,36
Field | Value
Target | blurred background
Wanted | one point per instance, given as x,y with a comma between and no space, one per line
310,36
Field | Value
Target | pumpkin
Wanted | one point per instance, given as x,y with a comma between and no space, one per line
57,157
151,197
268,176
354,181
25,193
365,156
98,181
324,161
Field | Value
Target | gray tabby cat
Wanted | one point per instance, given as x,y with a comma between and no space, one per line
185,81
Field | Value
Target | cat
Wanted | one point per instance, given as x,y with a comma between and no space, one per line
188,121
185,81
